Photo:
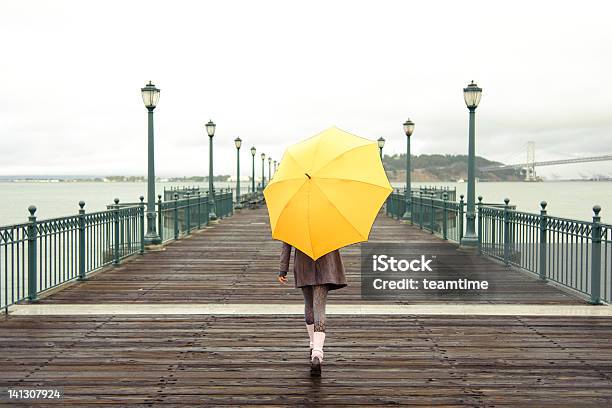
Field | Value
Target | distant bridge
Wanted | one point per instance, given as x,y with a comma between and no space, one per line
531,164
547,163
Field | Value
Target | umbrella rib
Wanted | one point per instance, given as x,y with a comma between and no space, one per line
331,160
308,223
297,163
342,215
288,155
356,181
287,203
287,179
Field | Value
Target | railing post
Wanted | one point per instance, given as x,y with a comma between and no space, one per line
176,220
225,209
421,209
479,209
506,231
116,255
224,202
160,220
444,215
32,251
81,241
596,257
543,238
432,213
461,204
207,212
142,222
221,200
387,204
229,201
187,214
199,200
411,208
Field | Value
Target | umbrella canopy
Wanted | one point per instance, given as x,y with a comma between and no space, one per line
326,192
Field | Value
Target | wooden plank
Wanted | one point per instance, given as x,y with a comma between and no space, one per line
369,360
236,261
373,360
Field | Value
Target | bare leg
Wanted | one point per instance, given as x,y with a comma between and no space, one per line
319,301
307,291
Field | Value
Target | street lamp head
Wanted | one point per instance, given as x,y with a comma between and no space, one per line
238,142
210,128
381,142
408,127
150,95
263,156
471,95
269,160
253,151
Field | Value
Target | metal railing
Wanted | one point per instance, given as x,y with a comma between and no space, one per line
436,191
573,253
184,213
193,191
41,254
440,216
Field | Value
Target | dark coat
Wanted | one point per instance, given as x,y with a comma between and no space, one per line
327,269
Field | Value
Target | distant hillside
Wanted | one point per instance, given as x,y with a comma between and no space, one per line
443,167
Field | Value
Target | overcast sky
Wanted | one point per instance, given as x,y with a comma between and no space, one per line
275,72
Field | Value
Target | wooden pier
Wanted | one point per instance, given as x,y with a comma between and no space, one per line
212,359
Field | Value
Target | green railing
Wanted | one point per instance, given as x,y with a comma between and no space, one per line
185,213
42,254
573,253
440,216
438,192
192,191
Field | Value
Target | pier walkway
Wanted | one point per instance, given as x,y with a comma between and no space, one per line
204,322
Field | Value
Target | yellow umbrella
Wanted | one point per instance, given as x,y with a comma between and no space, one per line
326,192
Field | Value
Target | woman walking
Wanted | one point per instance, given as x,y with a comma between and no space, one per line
315,278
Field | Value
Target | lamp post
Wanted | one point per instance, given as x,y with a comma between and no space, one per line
150,97
274,166
253,151
408,129
263,174
269,169
238,143
210,130
381,144
471,95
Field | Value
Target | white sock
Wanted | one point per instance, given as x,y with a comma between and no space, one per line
318,339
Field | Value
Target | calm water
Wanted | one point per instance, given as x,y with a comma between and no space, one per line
60,199
571,199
